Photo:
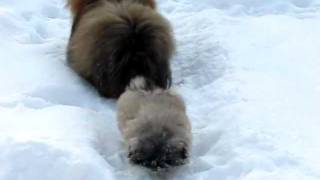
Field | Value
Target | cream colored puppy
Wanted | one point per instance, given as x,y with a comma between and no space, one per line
154,125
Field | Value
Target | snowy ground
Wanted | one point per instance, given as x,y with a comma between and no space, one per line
248,69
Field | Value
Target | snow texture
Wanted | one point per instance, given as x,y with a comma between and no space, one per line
248,70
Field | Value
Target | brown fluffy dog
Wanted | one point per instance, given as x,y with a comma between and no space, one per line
113,41
154,124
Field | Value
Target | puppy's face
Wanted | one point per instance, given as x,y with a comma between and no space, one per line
155,152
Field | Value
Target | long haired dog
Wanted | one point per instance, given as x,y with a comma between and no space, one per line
154,124
113,41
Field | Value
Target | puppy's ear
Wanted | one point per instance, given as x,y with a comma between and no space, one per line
150,3
77,6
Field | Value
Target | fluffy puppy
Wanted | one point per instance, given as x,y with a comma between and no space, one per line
113,41
154,125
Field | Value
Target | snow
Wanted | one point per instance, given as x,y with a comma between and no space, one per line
247,69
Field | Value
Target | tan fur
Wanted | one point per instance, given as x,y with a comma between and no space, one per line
152,113
154,103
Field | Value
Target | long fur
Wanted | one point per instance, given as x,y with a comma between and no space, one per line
113,41
154,124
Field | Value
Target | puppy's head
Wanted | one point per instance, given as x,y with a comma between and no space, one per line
150,3
158,151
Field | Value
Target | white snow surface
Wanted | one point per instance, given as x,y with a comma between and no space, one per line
248,70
